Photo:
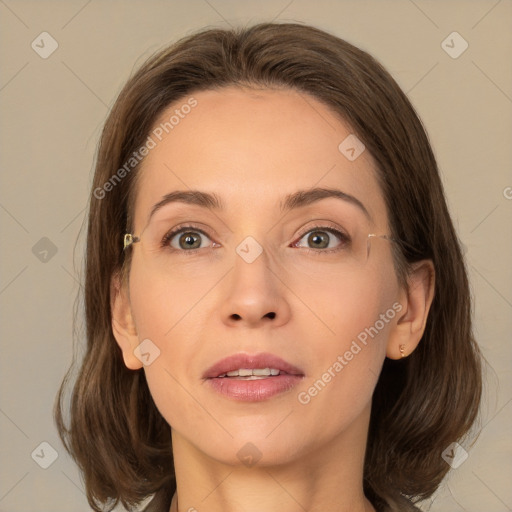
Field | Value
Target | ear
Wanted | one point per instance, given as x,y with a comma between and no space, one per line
416,302
123,325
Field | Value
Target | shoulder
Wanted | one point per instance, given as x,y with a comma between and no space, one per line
161,500
403,504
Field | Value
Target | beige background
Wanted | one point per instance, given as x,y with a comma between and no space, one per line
52,112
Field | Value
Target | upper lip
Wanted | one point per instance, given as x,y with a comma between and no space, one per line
250,361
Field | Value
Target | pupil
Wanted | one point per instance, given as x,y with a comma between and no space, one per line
188,240
315,239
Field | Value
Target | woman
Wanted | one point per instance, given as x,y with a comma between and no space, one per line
277,308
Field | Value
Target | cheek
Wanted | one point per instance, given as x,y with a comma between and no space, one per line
340,307
162,302
354,319
166,312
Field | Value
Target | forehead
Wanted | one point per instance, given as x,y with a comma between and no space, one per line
251,148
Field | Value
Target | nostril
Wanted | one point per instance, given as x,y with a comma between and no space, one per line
271,315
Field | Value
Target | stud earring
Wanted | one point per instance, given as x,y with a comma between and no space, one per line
402,350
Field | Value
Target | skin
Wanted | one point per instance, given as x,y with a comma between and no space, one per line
252,147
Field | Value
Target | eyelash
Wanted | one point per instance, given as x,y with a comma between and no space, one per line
344,238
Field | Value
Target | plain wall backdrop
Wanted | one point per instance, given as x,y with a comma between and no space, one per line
53,106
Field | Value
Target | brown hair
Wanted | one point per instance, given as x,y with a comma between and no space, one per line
421,404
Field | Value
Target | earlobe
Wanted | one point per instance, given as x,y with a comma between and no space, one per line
123,326
408,331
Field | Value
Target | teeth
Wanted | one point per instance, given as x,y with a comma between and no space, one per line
247,372
263,371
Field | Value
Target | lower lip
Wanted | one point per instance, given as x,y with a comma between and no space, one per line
254,390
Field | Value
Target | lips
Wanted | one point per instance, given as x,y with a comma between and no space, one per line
251,361
257,387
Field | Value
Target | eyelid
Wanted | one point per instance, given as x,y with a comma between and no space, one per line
323,224
183,228
338,232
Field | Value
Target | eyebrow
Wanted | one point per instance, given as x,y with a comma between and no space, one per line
293,201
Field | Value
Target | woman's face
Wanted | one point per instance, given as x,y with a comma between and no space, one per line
261,275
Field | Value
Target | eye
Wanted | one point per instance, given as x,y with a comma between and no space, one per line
323,237
189,239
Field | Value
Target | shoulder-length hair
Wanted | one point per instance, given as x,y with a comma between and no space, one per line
421,404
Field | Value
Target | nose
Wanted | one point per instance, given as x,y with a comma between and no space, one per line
255,295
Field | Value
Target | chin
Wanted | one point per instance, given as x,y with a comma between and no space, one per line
250,451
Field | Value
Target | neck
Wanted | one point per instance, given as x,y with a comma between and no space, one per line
324,477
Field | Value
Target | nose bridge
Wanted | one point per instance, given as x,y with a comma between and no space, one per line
254,294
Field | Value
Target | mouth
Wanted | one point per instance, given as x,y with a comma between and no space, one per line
251,367
252,378
251,374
